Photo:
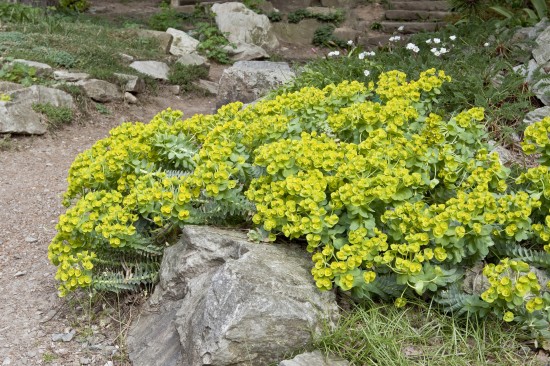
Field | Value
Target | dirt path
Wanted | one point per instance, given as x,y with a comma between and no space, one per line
32,179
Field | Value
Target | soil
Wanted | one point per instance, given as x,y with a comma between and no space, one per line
33,175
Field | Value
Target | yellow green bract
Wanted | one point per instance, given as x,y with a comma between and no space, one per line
391,198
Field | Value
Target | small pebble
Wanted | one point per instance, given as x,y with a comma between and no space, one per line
65,337
31,239
20,273
85,361
7,361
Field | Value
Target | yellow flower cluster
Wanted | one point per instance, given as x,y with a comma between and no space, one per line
535,138
512,285
74,271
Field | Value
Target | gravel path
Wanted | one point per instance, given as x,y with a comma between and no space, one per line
36,327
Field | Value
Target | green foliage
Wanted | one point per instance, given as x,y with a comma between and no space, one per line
274,16
74,5
515,12
55,116
472,65
253,5
335,17
184,75
166,18
323,37
18,73
537,11
19,13
213,42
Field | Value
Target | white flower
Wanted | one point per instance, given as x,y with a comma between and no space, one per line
412,47
486,44
452,38
366,72
433,50
437,40
428,41
395,38
350,43
371,53
333,53
443,50
401,28
362,55
437,53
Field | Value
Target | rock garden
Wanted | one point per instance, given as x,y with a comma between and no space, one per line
331,182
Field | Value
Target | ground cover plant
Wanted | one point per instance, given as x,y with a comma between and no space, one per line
393,201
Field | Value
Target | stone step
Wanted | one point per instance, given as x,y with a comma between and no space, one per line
411,27
419,5
416,15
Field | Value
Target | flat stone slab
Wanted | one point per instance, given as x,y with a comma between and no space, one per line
155,69
182,43
63,75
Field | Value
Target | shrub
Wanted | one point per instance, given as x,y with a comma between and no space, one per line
392,200
18,73
166,18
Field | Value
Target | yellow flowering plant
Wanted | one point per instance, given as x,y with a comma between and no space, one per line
391,199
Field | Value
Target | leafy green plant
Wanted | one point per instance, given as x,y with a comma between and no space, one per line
166,18
19,73
393,200
6,143
335,17
213,43
274,16
55,116
184,75
19,13
102,109
253,5
524,16
74,5
323,37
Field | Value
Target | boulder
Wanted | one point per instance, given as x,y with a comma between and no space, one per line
155,69
542,90
130,98
223,301
244,26
193,59
182,43
300,33
63,75
208,86
8,86
541,53
41,68
246,52
164,39
100,90
247,81
314,358
536,115
131,83
17,115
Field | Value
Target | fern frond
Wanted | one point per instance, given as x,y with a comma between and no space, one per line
129,278
454,300
536,258
385,287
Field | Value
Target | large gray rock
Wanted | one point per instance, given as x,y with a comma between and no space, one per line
182,43
244,26
8,86
245,52
155,69
247,81
542,90
537,115
100,90
17,115
314,358
193,59
300,33
541,53
223,301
